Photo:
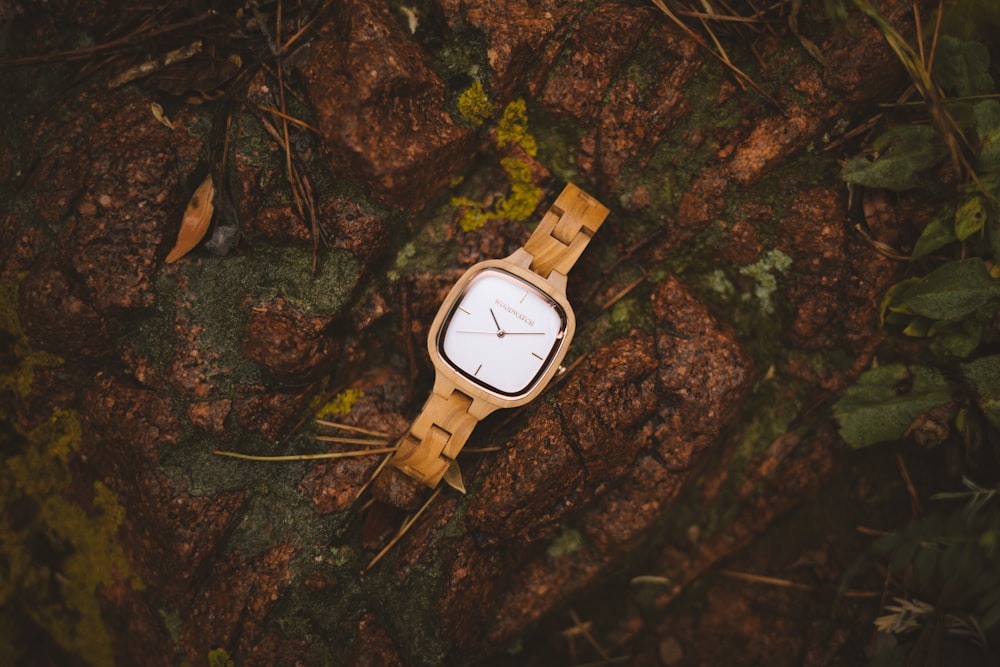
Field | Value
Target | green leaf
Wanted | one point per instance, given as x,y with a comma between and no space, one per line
962,68
954,290
925,564
919,327
993,237
886,400
887,316
990,618
970,218
937,234
956,339
987,117
991,598
887,544
985,583
984,376
898,157
967,18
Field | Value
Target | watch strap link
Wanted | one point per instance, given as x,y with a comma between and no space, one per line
436,437
564,231
438,434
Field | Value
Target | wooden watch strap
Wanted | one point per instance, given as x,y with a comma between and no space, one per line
436,437
565,231
438,434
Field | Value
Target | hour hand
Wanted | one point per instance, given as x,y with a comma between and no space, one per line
499,328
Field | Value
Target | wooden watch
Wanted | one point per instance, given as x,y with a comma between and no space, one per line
499,337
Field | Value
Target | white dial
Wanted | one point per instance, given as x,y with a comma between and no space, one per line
502,332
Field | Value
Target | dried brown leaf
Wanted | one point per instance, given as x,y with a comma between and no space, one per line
453,477
160,116
197,217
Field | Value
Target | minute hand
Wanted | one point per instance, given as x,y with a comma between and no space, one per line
505,333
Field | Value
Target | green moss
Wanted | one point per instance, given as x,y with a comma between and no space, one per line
56,584
475,105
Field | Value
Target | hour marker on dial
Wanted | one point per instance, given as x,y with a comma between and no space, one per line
502,332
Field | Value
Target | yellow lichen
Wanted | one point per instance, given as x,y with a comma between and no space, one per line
218,657
340,404
60,596
518,205
513,128
474,217
524,194
20,379
474,105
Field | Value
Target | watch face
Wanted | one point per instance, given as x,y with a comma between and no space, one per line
502,332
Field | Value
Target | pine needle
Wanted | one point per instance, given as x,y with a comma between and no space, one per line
722,58
307,457
352,429
402,531
368,442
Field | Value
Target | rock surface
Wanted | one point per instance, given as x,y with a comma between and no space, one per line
706,303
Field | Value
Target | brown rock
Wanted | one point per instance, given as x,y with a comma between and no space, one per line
193,370
655,404
741,244
132,202
166,533
516,32
265,412
56,319
381,108
17,246
637,115
393,487
287,341
529,486
356,229
771,141
603,41
210,415
334,485
835,272
278,225
709,388
373,646
233,607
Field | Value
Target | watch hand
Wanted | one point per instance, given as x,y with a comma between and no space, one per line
499,328
505,333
